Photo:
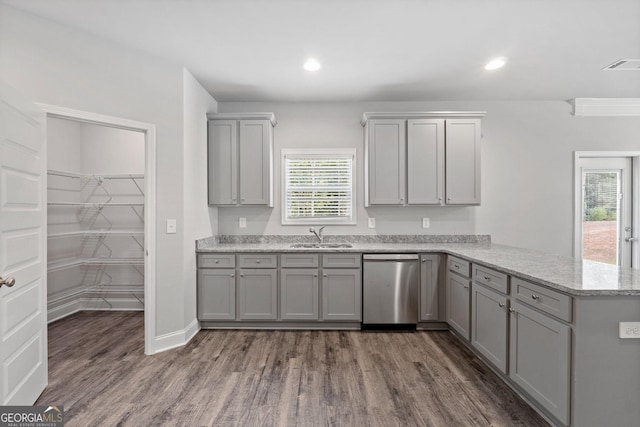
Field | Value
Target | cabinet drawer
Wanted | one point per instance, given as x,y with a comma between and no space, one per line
459,266
258,261
542,298
299,260
216,261
491,278
342,260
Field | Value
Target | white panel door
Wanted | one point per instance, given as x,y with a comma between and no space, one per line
23,315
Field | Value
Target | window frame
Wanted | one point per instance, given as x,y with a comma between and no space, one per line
326,152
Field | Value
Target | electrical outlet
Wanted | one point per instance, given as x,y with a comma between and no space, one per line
242,222
372,223
172,226
426,223
630,330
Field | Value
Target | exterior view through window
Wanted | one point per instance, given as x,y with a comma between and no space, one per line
606,210
318,187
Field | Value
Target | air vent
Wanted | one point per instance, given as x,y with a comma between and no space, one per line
624,65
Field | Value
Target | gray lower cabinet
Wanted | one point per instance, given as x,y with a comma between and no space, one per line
341,294
540,355
299,294
429,287
489,325
258,294
458,304
217,294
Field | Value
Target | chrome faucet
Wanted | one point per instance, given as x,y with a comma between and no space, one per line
318,234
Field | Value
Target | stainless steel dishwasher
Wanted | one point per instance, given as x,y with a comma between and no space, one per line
390,289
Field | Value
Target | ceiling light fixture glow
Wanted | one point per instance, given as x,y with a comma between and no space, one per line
312,64
495,63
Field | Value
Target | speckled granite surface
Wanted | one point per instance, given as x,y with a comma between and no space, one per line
561,273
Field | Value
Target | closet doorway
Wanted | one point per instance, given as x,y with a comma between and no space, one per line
100,215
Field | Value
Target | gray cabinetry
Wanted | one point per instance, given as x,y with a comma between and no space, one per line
216,287
386,162
258,294
429,299
217,294
489,325
462,169
425,161
240,159
458,300
428,158
299,287
539,355
342,287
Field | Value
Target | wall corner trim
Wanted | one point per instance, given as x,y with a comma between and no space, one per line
606,107
175,339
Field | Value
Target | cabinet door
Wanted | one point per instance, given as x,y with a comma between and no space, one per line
223,161
299,294
217,294
425,161
458,304
489,322
256,158
386,152
258,293
539,357
462,154
342,294
429,287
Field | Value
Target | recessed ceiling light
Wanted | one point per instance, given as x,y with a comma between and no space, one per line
495,63
312,64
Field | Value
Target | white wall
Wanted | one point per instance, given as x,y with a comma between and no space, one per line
527,169
107,150
56,65
199,220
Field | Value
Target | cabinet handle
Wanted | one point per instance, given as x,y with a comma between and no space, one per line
466,286
257,261
512,310
456,266
424,260
439,199
448,199
315,275
501,305
233,275
241,275
487,278
324,275
536,297
216,262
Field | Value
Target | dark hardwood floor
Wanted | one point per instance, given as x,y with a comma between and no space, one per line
98,371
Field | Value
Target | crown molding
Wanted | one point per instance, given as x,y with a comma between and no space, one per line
421,115
243,116
606,107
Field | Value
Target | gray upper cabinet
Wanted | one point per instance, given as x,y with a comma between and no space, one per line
241,159
386,162
425,161
462,167
422,158
429,286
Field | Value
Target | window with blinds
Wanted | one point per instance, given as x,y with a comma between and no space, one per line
318,186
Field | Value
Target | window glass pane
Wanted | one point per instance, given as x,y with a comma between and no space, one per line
318,187
600,216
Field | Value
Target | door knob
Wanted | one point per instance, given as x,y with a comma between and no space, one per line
8,282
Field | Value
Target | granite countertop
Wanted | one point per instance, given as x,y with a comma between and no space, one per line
562,273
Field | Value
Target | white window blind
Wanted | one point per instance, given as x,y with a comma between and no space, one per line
318,187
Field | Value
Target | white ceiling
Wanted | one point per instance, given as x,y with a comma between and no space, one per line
384,50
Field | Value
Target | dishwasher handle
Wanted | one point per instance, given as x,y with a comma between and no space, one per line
389,257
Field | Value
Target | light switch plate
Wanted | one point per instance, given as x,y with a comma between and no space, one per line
426,223
630,330
372,223
172,226
242,222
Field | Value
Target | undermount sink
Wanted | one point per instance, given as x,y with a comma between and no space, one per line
321,245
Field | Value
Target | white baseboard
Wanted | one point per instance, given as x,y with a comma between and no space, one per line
60,311
176,339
